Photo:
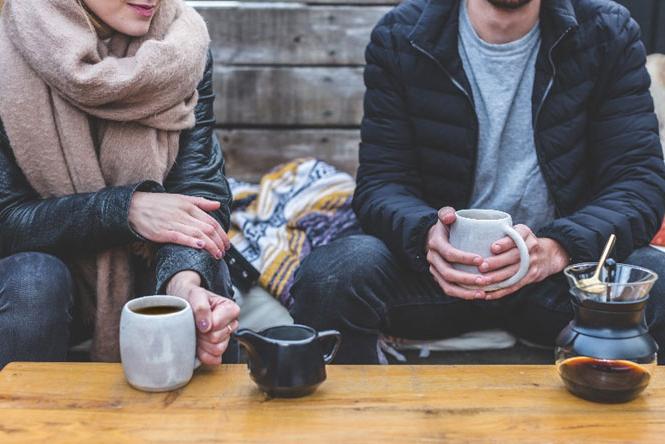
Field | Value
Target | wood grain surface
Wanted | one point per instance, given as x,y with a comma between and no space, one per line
249,152
71,403
288,79
302,96
290,34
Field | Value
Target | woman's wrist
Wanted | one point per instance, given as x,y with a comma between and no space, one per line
182,282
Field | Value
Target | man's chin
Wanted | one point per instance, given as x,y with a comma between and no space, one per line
509,4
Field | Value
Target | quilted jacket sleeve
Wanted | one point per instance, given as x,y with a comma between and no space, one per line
198,171
388,198
628,196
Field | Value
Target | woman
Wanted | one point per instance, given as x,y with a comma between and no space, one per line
111,183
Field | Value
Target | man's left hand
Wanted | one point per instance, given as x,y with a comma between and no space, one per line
547,257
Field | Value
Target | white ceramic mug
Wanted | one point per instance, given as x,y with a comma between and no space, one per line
158,351
476,230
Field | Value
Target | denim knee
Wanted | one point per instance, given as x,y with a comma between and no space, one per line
36,285
336,279
654,260
352,260
35,300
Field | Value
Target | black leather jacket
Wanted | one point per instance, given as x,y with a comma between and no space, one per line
87,223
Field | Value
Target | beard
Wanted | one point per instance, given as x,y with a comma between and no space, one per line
509,4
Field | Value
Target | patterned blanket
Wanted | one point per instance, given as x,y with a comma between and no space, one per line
296,207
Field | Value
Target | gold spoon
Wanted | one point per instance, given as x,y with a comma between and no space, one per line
594,284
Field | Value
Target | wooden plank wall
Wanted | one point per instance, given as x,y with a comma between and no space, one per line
288,76
288,79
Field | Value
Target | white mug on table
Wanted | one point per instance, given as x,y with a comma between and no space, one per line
158,343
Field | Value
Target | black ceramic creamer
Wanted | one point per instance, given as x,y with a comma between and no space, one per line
289,361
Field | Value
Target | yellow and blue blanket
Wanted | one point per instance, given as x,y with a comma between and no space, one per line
296,207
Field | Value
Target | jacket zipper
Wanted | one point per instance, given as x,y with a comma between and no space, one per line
538,110
473,110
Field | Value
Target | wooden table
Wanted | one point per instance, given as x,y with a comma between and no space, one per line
68,403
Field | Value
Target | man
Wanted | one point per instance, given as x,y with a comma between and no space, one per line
537,108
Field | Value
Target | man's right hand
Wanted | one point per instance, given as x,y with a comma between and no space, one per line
440,255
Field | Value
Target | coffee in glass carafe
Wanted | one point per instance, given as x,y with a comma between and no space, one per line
606,353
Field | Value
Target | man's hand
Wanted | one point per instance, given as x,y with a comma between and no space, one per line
547,257
216,317
440,255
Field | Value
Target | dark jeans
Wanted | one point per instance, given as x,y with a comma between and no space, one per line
35,301
355,285
36,298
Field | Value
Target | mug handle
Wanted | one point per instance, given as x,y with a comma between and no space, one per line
327,358
524,258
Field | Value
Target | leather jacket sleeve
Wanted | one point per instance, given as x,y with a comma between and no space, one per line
198,171
63,226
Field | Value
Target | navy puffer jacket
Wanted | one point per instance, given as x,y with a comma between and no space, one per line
595,130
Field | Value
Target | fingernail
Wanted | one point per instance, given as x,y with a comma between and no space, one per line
203,325
479,294
200,244
218,255
479,281
484,266
478,260
496,248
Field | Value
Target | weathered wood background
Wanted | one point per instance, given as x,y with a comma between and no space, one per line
288,79
288,76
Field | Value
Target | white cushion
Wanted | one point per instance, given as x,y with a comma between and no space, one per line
260,310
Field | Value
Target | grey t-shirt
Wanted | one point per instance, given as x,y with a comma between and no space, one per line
508,177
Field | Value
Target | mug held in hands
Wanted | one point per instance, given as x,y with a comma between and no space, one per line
475,231
158,343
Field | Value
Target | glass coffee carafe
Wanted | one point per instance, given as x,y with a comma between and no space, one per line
606,353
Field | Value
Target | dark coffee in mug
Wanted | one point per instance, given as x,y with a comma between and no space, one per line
157,310
604,380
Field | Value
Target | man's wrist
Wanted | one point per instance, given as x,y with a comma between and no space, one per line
560,258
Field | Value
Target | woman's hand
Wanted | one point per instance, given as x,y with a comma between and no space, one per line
547,257
178,219
216,317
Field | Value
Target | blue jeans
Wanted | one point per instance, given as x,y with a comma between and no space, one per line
36,297
35,301
355,285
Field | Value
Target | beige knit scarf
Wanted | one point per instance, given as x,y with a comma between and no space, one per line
84,114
